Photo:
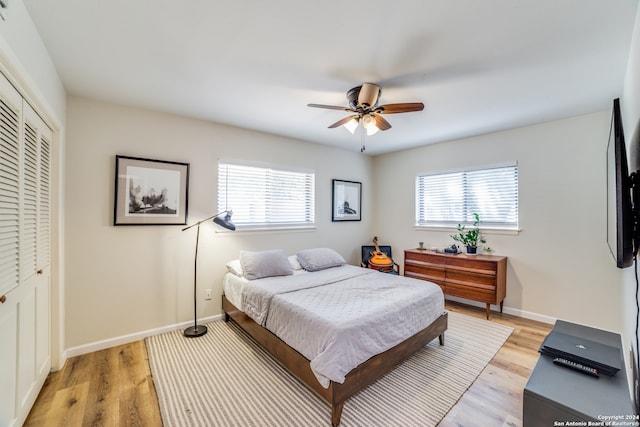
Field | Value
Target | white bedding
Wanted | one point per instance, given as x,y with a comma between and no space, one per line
233,286
338,317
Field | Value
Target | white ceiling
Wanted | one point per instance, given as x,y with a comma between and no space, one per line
478,66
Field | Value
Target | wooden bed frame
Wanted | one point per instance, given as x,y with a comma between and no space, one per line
359,378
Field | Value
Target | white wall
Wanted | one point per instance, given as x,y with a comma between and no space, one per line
21,45
630,106
126,279
559,264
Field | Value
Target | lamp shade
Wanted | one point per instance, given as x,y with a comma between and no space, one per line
225,221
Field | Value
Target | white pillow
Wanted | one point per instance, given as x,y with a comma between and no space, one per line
293,260
259,264
319,259
235,267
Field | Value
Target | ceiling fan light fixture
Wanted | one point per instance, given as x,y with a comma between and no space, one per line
368,96
363,106
369,123
351,125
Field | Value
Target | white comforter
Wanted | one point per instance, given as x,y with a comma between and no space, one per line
340,317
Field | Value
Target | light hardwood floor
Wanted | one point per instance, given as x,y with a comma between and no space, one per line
114,387
495,398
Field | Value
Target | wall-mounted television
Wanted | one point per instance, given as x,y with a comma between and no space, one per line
620,215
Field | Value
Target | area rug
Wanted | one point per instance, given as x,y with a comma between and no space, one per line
225,379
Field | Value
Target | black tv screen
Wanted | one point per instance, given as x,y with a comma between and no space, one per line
619,206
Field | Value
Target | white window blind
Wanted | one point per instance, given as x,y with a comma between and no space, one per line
266,197
450,199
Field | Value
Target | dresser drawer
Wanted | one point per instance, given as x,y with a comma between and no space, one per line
439,280
424,268
427,268
475,293
471,266
423,258
471,278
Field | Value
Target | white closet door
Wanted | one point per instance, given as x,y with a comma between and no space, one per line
29,205
36,228
10,170
8,357
33,340
25,226
43,256
10,161
35,220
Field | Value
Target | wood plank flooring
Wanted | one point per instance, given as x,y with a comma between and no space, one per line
114,387
111,387
495,398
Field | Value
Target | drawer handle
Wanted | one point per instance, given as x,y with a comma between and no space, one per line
3,299
39,271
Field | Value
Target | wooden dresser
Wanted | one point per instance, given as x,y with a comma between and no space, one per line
480,278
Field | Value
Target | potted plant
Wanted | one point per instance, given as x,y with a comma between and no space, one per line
471,237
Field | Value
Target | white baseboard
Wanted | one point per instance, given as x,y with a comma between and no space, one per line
126,339
513,311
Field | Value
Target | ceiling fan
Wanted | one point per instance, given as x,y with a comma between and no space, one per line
363,102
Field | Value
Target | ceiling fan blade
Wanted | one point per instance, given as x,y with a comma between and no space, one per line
381,122
405,107
329,107
343,121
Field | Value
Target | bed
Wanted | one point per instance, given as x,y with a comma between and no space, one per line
337,327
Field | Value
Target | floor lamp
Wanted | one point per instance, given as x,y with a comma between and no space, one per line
199,330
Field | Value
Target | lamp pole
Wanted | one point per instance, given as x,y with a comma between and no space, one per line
199,330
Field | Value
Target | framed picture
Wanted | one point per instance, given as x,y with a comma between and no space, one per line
347,201
150,192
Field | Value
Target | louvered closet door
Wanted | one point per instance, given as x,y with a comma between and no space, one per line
25,227
10,169
10,161
35,224
44,135
33,341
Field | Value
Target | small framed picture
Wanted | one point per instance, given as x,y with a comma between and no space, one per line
347,200
150,192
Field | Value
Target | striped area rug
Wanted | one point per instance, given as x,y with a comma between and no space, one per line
225,379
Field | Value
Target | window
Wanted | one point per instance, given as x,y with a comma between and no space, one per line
265,197
449,199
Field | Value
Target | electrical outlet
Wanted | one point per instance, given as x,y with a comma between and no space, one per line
207,294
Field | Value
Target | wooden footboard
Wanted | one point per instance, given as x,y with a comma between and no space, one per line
359,378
